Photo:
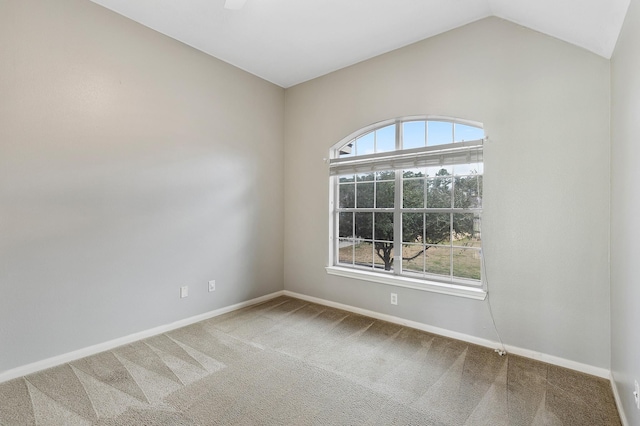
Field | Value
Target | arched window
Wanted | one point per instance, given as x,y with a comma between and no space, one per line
406,199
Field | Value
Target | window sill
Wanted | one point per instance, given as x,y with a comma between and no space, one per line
424,285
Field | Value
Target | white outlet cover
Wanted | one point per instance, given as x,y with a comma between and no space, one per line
212,285
394,299
184,291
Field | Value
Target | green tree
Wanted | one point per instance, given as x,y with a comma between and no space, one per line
418,192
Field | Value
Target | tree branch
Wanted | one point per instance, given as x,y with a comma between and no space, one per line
416,255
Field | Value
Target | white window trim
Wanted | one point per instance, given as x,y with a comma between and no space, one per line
452,289
477,293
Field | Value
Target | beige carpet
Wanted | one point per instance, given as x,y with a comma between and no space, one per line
290,362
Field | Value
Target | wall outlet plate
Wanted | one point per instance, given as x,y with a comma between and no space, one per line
636,394
184,291
212,285
394,299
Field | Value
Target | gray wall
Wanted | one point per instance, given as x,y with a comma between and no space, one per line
625,210
130,164
545,107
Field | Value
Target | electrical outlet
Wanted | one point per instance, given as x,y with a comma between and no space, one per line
212,285
184,291
394,299
636,394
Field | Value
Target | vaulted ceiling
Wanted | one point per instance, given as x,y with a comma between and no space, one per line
291,41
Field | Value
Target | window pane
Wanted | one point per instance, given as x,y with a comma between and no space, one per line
468,169
438,192
413,258
476,238
413,193
345,225
383,227
365,177
383,256
347,178
385,193
438,228
413,173
413,134
466,263
364,144
412,227
386,175
439,132
463,228
467,133
439,171
345,251
467,192
364,195
438,260
386,139
363,253
347,195
364,226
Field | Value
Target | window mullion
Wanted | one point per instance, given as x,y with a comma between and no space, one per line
373,241
453,203
336,220
424,243
397,213
353,238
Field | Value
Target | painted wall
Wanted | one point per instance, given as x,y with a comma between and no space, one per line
130,164
625,205
545,107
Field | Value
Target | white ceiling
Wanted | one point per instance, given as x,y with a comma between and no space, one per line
291,41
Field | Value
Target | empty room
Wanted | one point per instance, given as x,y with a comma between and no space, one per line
303,212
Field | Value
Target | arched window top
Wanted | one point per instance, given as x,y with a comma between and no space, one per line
408,133
407,143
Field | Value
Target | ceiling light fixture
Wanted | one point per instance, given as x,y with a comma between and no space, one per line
234,4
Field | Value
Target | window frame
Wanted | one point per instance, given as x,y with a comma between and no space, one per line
474,289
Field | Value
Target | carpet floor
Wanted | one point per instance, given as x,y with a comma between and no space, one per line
291,362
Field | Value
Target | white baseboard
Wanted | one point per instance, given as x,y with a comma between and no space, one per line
550,359
105,346
616,396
